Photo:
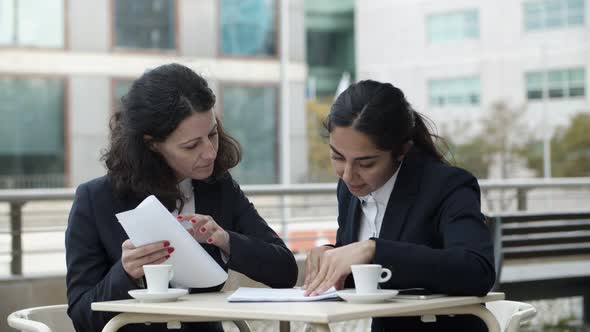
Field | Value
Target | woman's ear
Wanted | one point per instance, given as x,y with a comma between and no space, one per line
149,141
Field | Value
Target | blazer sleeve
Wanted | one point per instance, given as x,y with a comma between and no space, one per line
256,250
464,263
90,275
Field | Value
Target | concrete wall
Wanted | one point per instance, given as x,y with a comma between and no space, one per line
90,101
89,25
392,46
198,23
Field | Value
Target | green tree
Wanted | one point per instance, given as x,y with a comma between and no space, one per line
570,149
320,168
499,142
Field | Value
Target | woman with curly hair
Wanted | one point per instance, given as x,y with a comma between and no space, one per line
165,141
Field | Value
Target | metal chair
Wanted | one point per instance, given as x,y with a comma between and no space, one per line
510,314
54,318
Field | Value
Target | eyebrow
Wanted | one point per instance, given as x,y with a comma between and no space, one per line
359,158
199,138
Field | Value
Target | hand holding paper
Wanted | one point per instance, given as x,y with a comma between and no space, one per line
151,222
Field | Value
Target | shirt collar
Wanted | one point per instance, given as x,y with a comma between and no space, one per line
186,188
381,195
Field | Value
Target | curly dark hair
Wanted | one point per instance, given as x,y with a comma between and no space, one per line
155,105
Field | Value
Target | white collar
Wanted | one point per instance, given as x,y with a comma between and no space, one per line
186,188
381,195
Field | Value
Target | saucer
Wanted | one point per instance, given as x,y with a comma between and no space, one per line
381,295
144,295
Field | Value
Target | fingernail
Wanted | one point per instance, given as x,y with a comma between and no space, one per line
202,229
166,244
170,250
193,221
179,217
167,256
209,240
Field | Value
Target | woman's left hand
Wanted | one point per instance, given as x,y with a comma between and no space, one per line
335,265
205,230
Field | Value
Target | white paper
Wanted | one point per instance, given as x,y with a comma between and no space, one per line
151,222
248,294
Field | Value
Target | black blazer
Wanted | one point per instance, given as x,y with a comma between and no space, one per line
94,238
433,236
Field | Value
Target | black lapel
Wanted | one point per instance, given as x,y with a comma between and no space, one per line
354,209
403,195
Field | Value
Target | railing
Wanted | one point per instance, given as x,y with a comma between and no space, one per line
304,215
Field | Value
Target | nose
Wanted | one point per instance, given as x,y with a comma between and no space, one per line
348,174
209,153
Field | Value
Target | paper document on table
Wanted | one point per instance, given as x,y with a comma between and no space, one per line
151,222
248,294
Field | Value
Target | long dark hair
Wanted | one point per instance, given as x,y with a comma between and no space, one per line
155,105
382,112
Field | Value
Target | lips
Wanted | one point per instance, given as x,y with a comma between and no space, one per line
355,188
205,166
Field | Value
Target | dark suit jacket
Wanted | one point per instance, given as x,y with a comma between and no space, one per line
94,238
433,236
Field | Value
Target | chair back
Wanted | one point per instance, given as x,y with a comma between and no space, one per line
52,318
510,314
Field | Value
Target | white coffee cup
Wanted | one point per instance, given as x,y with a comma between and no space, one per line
368,276
158,276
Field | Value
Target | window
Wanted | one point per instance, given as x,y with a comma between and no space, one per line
31,132
453,26
250,116
32,23
553,14
457,91
555,84
534,82
145,24
248,27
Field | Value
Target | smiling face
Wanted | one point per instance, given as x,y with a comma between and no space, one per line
358,162
190,150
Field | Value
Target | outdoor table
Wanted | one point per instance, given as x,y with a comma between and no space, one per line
215,307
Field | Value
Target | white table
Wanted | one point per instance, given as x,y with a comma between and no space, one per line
214,307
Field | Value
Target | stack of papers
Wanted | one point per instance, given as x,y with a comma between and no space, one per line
247,294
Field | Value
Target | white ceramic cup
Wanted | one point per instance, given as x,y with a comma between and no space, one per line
368,276
158,276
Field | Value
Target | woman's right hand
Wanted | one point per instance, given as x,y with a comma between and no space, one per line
312,263
134,258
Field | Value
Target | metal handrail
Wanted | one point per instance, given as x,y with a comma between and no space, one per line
17,198
20,195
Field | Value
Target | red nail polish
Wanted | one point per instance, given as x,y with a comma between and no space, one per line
202,229
166,244
209,240
170,250
167,256
179,217
193,221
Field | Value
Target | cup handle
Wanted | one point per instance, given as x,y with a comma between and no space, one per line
387,275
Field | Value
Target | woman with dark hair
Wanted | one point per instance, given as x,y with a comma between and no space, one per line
401,205
165,141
